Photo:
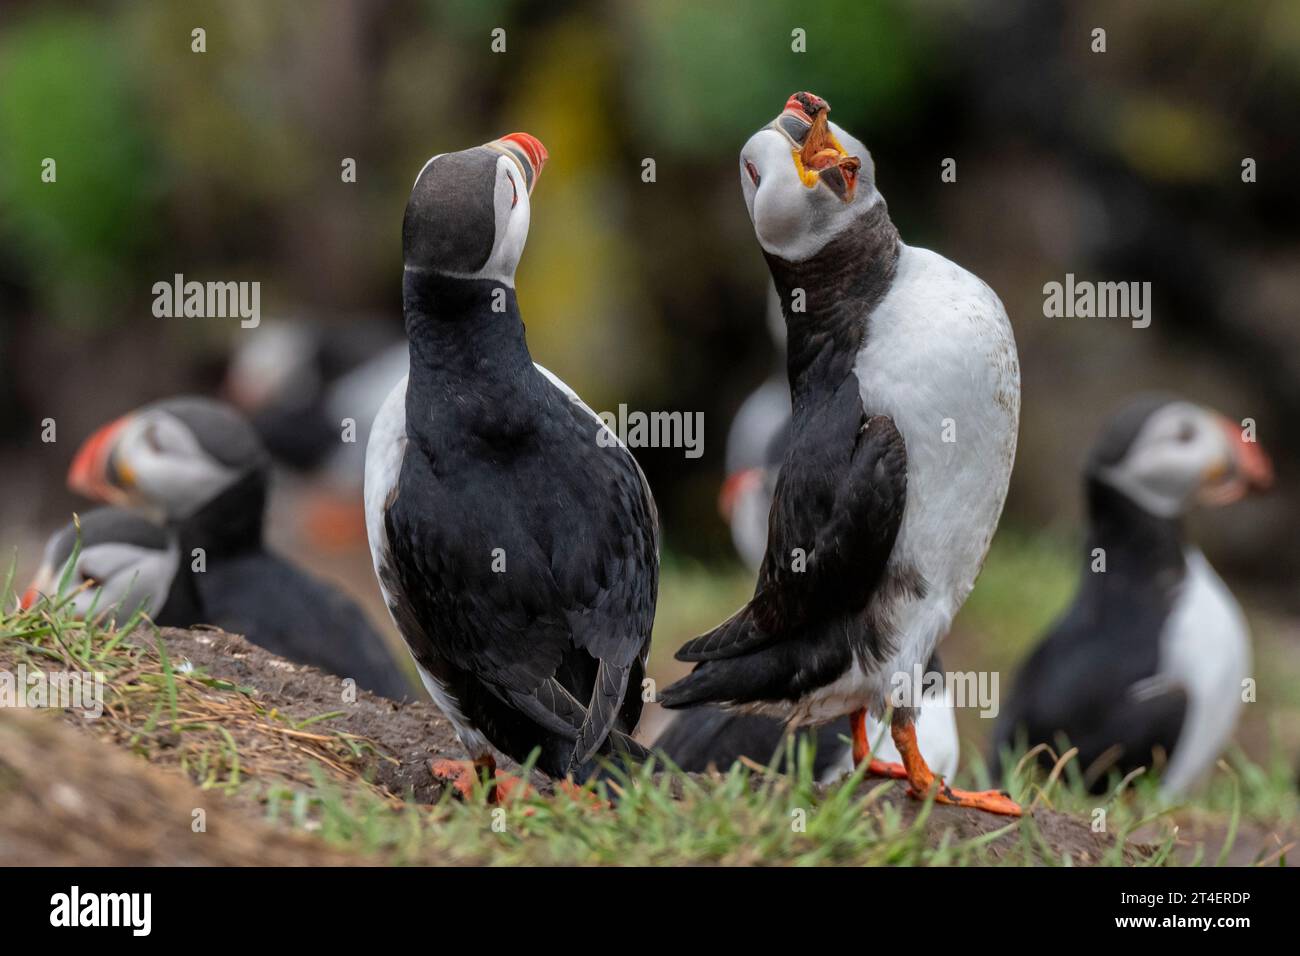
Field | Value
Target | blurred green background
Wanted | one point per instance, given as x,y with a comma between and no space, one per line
1123,165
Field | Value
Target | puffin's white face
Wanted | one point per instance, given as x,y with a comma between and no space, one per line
165,462
171,458
804,180
1184,454
469,211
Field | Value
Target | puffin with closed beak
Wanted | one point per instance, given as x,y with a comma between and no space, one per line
905,389
197,466
1149,660
120,562
514,537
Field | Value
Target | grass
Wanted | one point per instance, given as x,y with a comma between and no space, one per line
297,772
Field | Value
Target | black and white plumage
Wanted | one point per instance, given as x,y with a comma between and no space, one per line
1151,655
123,562
880,522
713,737
198,467
514,537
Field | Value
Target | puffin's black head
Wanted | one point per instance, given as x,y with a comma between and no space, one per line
468,212
172,457
1167,455
804,179
124,561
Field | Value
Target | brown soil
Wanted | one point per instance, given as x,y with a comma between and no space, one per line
67,800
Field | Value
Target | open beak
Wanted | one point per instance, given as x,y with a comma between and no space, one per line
735,487
1248,469
528,153
94,474
818,155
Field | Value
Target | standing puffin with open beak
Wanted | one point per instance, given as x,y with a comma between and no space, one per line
514,537
905,388
1152,654
198,466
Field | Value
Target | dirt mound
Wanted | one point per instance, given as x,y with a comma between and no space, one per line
67,800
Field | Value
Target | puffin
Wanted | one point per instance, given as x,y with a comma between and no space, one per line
755,442
905,395
710,736
1146,666
123,562
197,466
514,537
298,382
295,380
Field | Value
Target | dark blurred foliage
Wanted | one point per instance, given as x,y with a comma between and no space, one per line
1123,165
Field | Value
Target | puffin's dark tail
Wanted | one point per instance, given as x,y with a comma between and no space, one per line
606,697
734,637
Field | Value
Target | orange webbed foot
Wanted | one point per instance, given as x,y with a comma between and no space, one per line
921,780
990,801
462,775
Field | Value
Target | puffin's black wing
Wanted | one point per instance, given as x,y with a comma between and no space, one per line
290,613
835,515
1094,681
542,593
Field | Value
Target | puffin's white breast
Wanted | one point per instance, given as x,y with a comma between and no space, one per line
1204,648
939,357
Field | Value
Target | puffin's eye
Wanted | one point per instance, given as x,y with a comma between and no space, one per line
1186,432
514,198
150,436
753,172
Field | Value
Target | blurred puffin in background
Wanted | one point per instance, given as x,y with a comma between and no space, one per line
514,537
198,467
297,383
879,523
755,444
124,562
1148,663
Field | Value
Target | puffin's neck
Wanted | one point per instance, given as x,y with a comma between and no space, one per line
229,523
469,360
841,283
183,606
1140,547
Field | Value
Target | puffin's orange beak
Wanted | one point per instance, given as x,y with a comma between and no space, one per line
819,157
528,153
1250,468
91,473
41,584
737,485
